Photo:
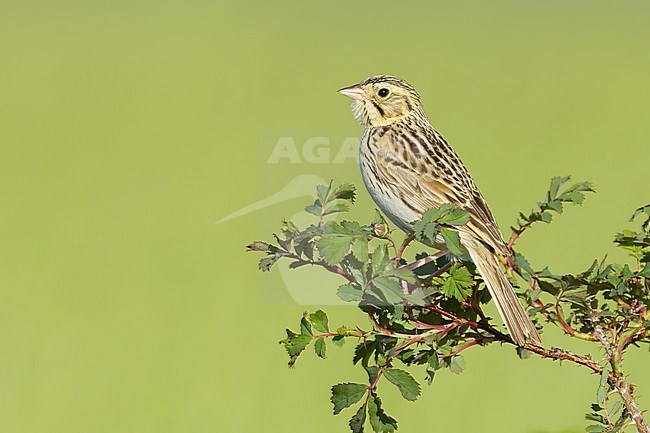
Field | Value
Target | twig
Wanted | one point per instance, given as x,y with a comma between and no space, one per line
332,268
552,353
517,234
423,261
405,244
626,391
617,380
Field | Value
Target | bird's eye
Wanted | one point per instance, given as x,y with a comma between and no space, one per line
383,92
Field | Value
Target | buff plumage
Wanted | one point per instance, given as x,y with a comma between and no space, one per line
408,168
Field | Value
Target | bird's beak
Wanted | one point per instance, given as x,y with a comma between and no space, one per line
355,92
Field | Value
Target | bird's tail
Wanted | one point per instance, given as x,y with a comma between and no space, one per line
517,322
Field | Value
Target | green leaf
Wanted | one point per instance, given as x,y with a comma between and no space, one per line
430,232
523,353
546,217
595,417
335,208
603,388
401,273
352,227
321,348
305,327
339,340
319,321
457,364
595,428
523,263
452,240
555,205
266,263
345,191
556,183
575,193
350,293
360,248
362,352
346,394
407,385
358,420
432,215
455,217
459,283
379,420
390,289
434,361
294,345
643,209
372,372
315,208
380,259
615,408
259,246
324,192
334,248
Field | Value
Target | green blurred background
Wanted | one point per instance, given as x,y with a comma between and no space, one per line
127,129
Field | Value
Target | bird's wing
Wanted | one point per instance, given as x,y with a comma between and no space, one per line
427,186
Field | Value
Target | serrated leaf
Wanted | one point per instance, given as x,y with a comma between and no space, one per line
346,394
430,232
379,420
352,227
455,217
345,191
379,259
434,361
360,248
305,327
432,214
556,183
336,229
401,273
389,288
295,344
523,353
546,217
406,384
523,263
615,408
321,348
452,240
323,192
358,420
350,293
266,263
459,283
338,340
362,352
555,205
315,208
319,321
258,246
334,248
336,208
603,388
457,364
595,428
418,230
372,372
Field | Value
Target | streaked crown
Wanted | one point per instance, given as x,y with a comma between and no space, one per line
382,100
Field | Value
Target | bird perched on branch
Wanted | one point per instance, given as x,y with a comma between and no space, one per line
409,168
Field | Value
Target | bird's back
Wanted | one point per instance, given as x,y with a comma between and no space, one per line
409,168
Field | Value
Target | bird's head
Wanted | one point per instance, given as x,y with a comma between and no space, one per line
382,100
